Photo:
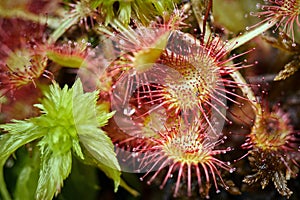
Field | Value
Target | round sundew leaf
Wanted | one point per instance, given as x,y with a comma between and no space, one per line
145,58
72,61
18,60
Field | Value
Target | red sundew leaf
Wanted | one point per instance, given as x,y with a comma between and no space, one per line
186,150
271,145
285,12
17,34
272,131
71,54
23,60
19,104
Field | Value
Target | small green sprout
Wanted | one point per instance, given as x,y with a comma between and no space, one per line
70,121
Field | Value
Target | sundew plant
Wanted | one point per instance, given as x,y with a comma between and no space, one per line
154,99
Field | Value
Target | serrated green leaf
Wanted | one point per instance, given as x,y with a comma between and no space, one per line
141,10
57,102
112,173
54,170
77,149
66,115
100,147
20,133
103,114
84,102
107,7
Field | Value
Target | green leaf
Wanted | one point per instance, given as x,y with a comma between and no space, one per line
23,191
57,102
84,106
95,3
54,169
100,147
103,114
107,8
20,133
70,118
124,12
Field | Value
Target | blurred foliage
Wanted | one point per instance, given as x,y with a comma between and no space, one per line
235,15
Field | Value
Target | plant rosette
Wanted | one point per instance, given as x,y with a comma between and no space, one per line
70,124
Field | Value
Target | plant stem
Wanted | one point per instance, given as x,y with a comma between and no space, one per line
3,189
199,7
22,14
246,37
124,185
236,76
64,26
247,91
